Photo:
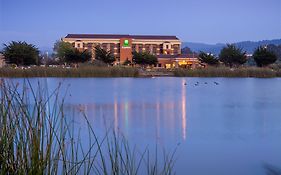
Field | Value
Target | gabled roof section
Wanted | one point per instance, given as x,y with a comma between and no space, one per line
113,36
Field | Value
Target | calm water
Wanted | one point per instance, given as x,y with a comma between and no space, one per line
233,127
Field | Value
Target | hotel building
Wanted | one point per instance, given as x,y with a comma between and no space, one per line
166,48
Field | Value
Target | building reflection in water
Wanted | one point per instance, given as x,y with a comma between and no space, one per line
159,118
115,115
183,101
127,113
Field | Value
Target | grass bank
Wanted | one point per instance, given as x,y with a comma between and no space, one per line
37,137
95,71
228,72
87,71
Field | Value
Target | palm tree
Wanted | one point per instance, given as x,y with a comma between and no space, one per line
103,55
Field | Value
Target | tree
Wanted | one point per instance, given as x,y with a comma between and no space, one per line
263,56
187,50
75,56
208,58
21,53
61,48
67,53
232,55
276,49
103,55
144,58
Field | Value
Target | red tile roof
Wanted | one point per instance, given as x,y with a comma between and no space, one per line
111,36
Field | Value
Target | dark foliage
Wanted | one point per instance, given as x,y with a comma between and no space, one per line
75,56
144,58
263,56
208,58
103,55
187,50
21,53
276,49
232,55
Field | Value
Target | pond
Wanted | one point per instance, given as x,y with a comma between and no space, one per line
218,125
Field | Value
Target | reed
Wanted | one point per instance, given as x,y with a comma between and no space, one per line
228,72
96,71
37,137
85,71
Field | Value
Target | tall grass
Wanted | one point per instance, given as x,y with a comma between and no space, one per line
96,71
228,72
37,137
85,71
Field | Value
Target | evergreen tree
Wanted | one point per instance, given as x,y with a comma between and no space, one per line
21,53
232,55
263,56
208,58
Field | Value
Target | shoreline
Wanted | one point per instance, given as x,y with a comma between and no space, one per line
115,72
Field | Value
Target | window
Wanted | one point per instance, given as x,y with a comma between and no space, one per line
78,45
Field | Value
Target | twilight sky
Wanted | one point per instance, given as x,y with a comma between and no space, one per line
41,22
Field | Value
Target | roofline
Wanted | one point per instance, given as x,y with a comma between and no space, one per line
118,36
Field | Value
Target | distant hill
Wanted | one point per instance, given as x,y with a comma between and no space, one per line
248,46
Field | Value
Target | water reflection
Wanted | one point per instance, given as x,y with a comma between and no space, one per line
125,115
161,118
239,127
115,115
183,98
